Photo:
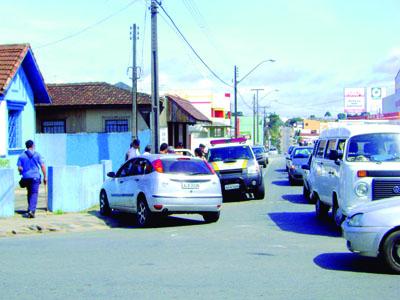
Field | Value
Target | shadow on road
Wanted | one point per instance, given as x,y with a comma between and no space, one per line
304,223
281,182
127,220
350,262
280,170
295,198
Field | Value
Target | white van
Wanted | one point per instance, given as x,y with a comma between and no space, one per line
354,164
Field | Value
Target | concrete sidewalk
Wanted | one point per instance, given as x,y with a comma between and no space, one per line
50,222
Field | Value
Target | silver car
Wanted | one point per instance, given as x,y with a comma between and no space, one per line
152,185
373,229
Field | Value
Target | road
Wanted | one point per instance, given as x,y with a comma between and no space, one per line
260,249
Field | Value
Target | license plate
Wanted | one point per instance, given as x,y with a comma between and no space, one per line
190,186
233,186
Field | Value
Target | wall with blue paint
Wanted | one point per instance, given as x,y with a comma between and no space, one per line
73,188
83,149
6,193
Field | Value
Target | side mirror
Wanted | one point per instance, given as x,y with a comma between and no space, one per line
111,174
305,167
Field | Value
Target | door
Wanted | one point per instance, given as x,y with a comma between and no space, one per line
123,189
317,169
129,184
331,171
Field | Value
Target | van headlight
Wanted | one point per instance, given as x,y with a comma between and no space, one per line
356,220
361,189
253,169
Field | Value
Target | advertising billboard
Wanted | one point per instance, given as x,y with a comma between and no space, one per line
354,100
374,99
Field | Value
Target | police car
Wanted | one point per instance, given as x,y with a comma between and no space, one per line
237,168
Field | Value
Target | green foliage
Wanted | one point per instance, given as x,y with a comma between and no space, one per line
341,116
58,212
4,163
293,121
274,130
328,114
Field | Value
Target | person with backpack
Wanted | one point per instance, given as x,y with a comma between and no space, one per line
29,165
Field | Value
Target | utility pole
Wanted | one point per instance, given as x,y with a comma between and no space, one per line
257,126
154,116
134,128
264,124
235,99
254,119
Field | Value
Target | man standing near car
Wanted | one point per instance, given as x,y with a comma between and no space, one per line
133,150
29,165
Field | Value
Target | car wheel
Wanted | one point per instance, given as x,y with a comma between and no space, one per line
211,217
105,209
391,251
143,214
321,209
291,181
337,215
260,192
306,192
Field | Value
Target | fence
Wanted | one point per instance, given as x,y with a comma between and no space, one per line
7,196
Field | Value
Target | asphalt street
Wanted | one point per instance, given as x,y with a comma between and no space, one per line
259,249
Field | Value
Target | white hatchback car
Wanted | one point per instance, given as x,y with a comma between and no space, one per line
162,184
374,230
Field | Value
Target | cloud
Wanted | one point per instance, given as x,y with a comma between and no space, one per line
388,67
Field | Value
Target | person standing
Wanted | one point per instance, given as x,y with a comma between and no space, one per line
133,150
29,165
147,150
203,149
163,148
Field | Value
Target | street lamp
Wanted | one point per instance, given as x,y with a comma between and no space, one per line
236,82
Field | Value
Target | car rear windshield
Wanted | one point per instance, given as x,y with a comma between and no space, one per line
258,150
189,167
302,152
229,153
377,147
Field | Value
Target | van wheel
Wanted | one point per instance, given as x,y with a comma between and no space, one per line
391,251
321,209
143,214
337,215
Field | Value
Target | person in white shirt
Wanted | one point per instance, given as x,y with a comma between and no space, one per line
133,150
147,150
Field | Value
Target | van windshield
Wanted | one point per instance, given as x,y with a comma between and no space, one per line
375,147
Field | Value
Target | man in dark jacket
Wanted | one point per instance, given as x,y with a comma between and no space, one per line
29,165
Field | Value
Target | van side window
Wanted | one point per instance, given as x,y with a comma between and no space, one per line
321,148
315,148
331,146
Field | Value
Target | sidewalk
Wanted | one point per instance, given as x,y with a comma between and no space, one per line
50,222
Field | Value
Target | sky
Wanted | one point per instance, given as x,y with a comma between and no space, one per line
319,47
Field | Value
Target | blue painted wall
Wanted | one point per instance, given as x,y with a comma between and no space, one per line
83,149
6,193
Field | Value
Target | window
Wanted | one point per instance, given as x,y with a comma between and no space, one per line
116,125
331,146
321,148
56,126
218,132
14,129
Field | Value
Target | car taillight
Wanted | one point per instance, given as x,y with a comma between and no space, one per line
157,165
210,167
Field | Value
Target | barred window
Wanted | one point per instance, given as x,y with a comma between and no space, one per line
14,129
54,126
116,125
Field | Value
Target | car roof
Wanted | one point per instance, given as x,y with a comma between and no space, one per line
153,157
228,146
349,130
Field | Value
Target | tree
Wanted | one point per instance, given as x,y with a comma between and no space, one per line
293,121
328,114
273,132
341,116
313,117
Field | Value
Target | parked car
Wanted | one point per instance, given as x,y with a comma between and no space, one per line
354,164
152,185
237,168
297,159
287,156
261,155
374,230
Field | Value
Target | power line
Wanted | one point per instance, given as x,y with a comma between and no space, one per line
144,34
72,35
190,46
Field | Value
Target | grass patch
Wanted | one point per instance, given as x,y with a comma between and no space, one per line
58,212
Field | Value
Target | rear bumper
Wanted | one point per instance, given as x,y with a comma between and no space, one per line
170,204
